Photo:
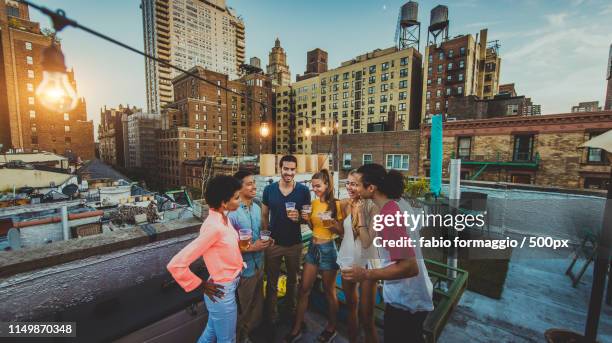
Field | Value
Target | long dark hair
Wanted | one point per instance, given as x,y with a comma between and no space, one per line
328,196
390,183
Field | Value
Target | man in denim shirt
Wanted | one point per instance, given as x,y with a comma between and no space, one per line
250,288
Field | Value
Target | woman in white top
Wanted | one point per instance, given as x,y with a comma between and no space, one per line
357,249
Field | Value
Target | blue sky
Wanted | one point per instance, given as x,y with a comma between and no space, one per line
554,51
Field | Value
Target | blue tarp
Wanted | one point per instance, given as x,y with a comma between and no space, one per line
436,155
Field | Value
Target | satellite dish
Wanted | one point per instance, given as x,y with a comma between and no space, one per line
14,239
70,189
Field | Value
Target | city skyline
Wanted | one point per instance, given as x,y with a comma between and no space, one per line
555,53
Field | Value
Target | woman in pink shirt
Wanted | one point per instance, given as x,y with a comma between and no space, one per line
217,244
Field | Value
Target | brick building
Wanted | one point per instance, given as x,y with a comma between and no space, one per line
142,131
587,106
113,134
24,123
541,150
393,149
316,63
470,107
456,68
206,120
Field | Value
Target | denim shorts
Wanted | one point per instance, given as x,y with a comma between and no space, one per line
322,255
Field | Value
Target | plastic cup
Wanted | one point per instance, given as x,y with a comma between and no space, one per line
326,218
307,209
265,235
245,236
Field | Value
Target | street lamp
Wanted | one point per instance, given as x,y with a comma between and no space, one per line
55,91
264,130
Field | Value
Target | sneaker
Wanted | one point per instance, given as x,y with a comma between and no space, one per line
327,336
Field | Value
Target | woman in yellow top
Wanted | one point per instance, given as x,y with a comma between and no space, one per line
325,220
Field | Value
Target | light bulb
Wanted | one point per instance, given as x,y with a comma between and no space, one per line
264,130
307,132
56,93
324,129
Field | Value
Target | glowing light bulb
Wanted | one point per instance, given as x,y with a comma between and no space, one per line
324,129
264,130
307,132
56,93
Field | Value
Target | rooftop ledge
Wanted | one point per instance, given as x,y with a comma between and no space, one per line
29,259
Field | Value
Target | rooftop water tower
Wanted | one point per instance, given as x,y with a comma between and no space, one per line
408,28
438,24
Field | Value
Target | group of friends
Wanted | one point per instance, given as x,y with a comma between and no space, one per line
242,240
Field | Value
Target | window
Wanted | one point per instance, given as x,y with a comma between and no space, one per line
450,66
385,66
429,81
440,68
402,106
383,98
32,114
460,77
371,90
403,61
371,100
428,96
427,106
384,87
384,77
383,109
430,59
372,69
438,93
66,128
521,178
450,53
449,78
346,160
372,79
463,147
459,90
66,116
437,105
30,87
429,70
595,155
399,162
596,183
441,55
367,159
512,109
448,91
370,110
28,45
30,100
29,60
30,74
403,84
403,95
461,64
462,51
439,80
523,148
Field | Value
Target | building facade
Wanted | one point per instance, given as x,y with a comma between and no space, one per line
393,149
113,135
206,120
587,106
471,107
540,150
492,69
608,104
458,67
277,68
356,97
316,63
142,131
187,33
25,125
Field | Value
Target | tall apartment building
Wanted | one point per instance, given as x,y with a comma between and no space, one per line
608,104
206,120
142,131
277,68
187,33
457,67
362,95
113,135
24,123
492,67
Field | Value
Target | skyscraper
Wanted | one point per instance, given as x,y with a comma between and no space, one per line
24,123
277,67
188,33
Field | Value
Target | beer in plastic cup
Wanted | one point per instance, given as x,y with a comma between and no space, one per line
265,235
245,238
